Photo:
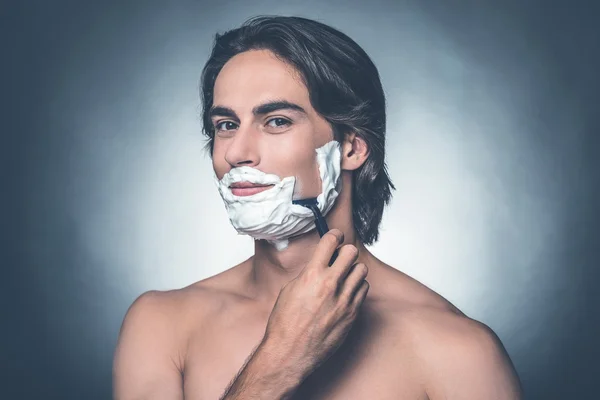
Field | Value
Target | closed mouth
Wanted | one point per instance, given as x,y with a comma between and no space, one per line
247,188
245,185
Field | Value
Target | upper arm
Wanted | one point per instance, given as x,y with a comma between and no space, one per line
470,362
146,362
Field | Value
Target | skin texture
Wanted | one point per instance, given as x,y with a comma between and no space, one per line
407,342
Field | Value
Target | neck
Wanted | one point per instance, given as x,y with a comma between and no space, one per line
272,269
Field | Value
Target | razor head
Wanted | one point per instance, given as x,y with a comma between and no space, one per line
312,204
306,202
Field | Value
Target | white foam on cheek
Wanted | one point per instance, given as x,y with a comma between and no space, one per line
329,159
270,214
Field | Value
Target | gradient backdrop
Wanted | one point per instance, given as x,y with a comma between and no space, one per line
492,145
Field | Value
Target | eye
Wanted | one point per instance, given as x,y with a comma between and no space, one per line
225,126
278,122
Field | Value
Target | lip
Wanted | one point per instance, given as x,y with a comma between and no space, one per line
248,188
247,185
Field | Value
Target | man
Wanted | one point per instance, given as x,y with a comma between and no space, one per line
294,110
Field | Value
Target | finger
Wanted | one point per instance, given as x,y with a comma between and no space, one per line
353,281
361,294
326,246
348,254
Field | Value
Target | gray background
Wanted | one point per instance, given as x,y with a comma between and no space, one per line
492,145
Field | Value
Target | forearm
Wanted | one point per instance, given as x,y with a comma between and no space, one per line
267,374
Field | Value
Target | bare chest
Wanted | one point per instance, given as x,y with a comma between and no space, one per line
369,364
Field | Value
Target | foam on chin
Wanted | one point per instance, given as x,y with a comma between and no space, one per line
270,214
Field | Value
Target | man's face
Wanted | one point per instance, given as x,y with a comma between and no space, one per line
279,141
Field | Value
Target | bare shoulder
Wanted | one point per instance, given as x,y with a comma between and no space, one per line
176,312
187,305
150,355
173,306
456,356
162,319
166,318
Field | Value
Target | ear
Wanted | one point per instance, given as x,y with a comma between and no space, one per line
354,152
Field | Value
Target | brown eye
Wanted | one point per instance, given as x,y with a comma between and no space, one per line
278,122
225,126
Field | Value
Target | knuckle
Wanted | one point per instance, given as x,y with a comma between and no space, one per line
330,284
310,274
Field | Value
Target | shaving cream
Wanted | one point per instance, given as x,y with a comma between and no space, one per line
270,214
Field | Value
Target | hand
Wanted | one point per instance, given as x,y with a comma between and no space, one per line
315,311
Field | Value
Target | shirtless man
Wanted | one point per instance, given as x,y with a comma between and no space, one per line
294,99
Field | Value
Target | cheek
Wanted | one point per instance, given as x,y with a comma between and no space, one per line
308,180
218,162
308,184
297,157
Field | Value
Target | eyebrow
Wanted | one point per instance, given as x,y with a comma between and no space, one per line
258,110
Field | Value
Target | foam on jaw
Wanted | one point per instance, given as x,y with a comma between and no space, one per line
270,214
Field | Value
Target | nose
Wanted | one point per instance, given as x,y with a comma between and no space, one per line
243,149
